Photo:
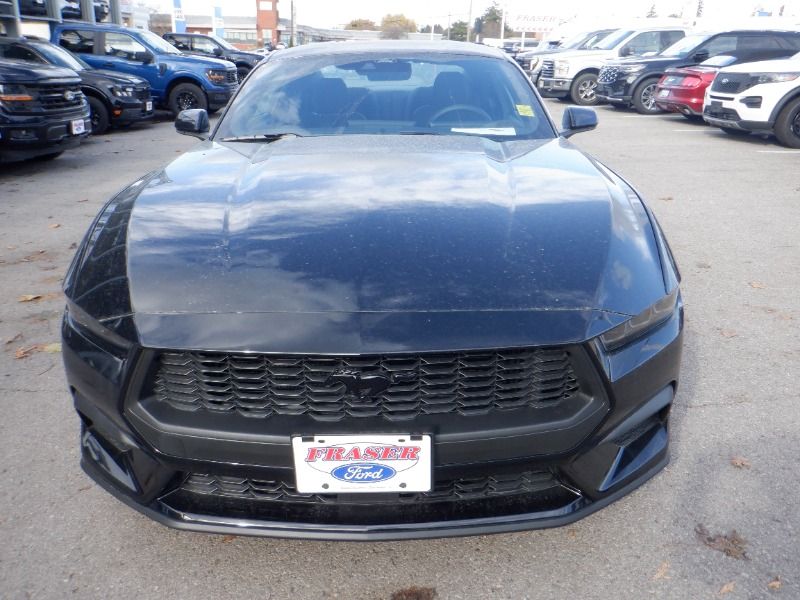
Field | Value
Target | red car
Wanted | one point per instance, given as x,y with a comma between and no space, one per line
683,89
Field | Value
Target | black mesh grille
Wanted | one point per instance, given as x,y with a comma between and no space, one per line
608,75
731,83
471,488
465,383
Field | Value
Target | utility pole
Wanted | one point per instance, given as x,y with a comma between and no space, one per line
503,23
292,40
469,21
448,26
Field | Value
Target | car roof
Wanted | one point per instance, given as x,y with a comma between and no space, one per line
392,47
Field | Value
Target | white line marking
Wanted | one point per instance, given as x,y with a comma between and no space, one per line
693,130
778,151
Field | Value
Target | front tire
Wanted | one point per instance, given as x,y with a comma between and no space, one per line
583,90
185,96
99,116
242,72
787,125
644,97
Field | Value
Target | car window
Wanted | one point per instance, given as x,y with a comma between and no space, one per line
123,46
59,56
720,44
649,41
203,44
18,52
77,40
670,37
181,42
791,42
611,41
757,42
684,46
385,94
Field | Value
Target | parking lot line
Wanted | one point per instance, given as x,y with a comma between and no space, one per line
778,151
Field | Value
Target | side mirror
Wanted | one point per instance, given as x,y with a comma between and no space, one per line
700,56
626,51
217,51
577,120
193,122
144,57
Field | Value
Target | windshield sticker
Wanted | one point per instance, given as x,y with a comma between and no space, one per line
485,130
525,110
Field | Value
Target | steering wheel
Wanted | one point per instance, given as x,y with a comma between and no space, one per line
455,107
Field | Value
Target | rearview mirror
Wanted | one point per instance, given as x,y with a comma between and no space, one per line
577,120
193,122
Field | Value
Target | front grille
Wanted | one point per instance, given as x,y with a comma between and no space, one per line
59,97
731,83
465,383
142,92
232,76
449,490
608,75
718,112
548,69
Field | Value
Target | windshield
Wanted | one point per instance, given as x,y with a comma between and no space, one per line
722,60
595,38
387,93
223,43
683,47
160,44
58,56
612,41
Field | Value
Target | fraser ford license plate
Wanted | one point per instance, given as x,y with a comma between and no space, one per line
330,464
78,127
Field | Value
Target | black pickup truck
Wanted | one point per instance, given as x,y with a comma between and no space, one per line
42,111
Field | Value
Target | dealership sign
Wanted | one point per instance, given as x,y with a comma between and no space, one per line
532,23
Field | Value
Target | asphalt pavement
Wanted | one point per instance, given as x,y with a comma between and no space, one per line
731,210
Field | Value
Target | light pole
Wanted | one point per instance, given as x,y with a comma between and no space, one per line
469,20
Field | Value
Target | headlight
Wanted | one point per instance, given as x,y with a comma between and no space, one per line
562,68
631,68
759,78
14,93
637,326
216,76
532,62
122,92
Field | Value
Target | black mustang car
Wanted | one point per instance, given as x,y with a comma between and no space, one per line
114,98
386,298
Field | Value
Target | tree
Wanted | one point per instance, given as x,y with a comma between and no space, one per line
491,20
458,31
652,14
436,29
699,8
362,25
396,27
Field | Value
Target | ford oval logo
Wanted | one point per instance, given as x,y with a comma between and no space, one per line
69,95
363,473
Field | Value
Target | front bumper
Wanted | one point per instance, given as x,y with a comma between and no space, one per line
614,92
132,111
733,113
553,88
218,97
239,482
26,138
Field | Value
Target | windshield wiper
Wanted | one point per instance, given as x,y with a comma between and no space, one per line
262,138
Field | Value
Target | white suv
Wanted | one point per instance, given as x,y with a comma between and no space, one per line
574,74
761,96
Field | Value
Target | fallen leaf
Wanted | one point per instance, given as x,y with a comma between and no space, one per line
757,286
572,533
667,199
662,571
86,199
228,539
728,333
740,463
414,593
16,338
775,584
29,297
732,545
24,352
54,225
53,348
727,588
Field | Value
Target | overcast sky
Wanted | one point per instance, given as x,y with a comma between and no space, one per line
330,13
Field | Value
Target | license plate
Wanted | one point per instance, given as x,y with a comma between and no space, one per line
663,93
77,126
148,106
331,464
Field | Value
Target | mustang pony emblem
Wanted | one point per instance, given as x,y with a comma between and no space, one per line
366,386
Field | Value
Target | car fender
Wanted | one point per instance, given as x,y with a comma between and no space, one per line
788,97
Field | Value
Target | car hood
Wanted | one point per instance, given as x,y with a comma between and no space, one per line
17,71
375,244
651,62
104,77
582,54
192,61
765,66
246,55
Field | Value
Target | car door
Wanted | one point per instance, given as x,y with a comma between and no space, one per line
121,52
181,42
206,47
643,43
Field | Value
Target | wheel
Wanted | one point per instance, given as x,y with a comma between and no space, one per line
241,72
50,156
100,118
787,125
583,89
735,132
185,96
644,97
